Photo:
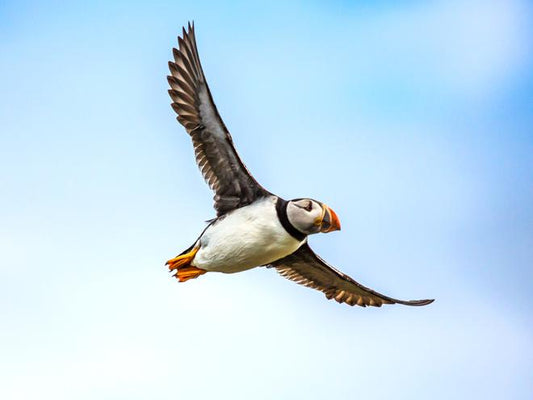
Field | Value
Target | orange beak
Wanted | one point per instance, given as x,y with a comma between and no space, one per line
330,221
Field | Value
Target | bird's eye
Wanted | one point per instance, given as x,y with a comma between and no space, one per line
309,206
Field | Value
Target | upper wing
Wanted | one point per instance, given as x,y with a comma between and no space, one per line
218,160
306,268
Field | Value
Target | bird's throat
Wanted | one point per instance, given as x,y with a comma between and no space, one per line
281,209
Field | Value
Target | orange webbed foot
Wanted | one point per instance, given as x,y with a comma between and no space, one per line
186,273
183,267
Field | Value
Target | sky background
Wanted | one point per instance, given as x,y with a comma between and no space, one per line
412,119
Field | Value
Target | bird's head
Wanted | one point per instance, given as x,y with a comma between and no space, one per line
310,216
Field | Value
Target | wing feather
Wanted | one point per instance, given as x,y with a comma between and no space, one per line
215,154
308,269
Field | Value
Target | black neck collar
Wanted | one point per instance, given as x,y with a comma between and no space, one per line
281,209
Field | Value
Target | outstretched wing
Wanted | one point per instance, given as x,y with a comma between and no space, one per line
216,157
306,268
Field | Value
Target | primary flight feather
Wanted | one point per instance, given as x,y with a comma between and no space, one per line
253,226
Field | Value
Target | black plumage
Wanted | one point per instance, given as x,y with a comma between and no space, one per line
308,269
218,160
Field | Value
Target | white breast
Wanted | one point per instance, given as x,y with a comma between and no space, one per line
245,238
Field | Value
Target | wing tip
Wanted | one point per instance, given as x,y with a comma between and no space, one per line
423,302
414,303
187,31
362,302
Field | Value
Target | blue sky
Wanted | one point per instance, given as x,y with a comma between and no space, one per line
411,119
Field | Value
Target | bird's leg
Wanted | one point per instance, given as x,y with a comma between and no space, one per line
183,260
183,267
186,273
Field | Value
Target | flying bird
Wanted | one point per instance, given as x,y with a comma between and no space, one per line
253,227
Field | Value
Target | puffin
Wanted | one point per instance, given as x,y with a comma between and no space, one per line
253,227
